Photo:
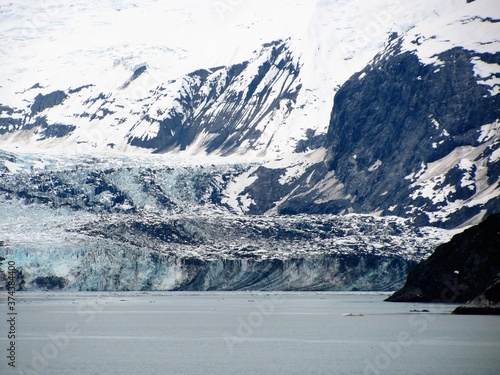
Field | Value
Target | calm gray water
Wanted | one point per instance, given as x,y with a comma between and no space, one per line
244,333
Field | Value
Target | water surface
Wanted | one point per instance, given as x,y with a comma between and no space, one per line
245,333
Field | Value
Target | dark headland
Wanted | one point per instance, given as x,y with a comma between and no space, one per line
465,269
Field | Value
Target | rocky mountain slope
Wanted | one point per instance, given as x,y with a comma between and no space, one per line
217,110
416,133
459,270
487,303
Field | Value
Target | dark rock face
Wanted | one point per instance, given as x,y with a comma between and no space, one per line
310,187
266,192
311,141
390,122
487,303
492,294
12,120
7,120
56,131
135,75
459,270
43,102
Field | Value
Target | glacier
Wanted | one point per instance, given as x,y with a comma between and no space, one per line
121,223
292,145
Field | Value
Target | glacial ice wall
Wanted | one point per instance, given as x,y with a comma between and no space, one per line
183,237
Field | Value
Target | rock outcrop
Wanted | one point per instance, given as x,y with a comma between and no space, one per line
459,270
487,303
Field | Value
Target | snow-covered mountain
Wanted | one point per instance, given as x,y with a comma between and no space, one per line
222,110
218,78
415,133
132,125
415,87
